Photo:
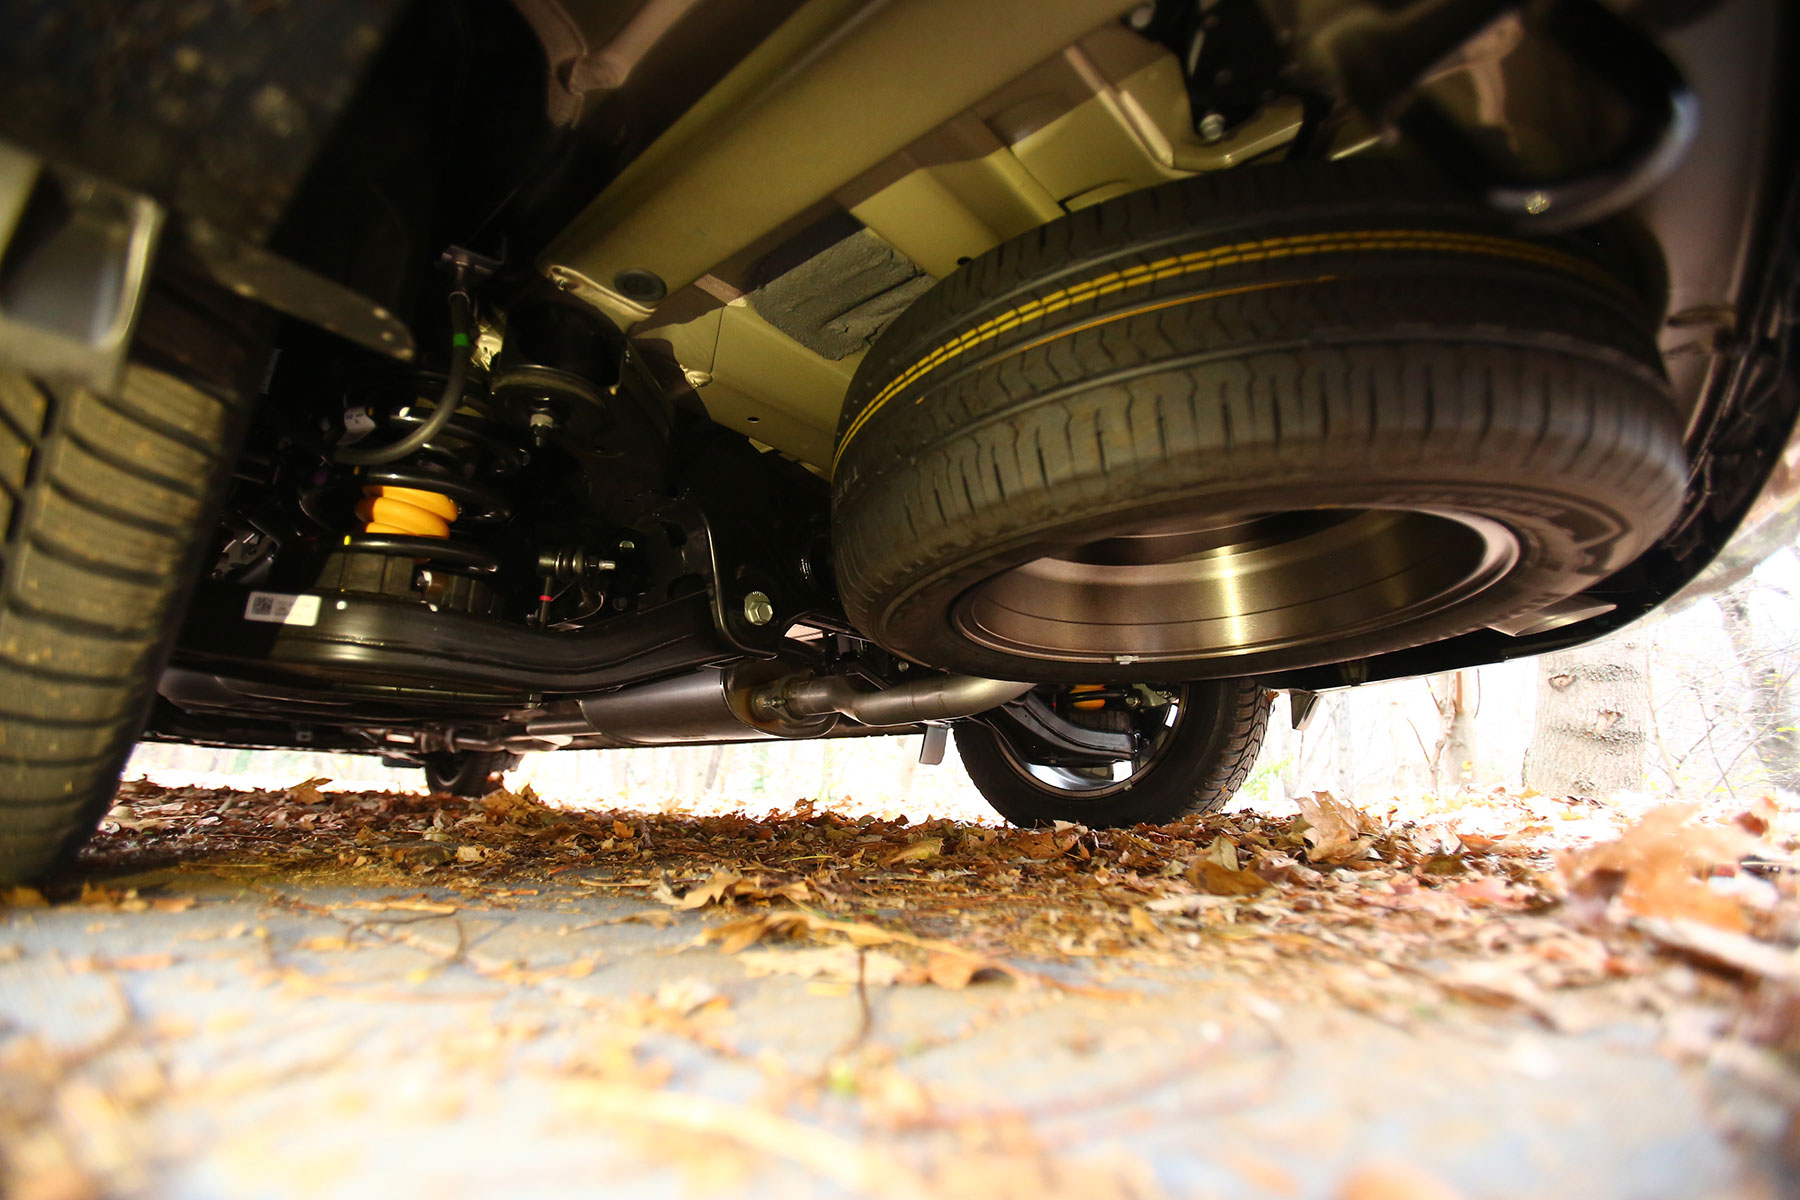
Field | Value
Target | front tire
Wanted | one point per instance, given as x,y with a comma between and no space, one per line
1198,762
107,505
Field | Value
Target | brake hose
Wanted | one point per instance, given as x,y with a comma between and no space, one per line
447,404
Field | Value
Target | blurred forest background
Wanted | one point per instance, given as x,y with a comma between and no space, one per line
1696,703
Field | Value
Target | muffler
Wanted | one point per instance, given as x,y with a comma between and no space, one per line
750,701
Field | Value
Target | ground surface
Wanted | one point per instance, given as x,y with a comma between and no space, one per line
296,994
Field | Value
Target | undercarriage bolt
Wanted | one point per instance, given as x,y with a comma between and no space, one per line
757,609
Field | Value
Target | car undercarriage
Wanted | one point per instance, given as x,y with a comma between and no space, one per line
451,382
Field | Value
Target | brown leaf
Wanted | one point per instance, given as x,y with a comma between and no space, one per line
928,847
1724,948
129,962
1335,832
951,971
734,936
1277,867
1222,851
687,996
1655,868
421,905
1209,876
1487,890
308,792
23,897
1756,819
1395,1181
836,964
1042,843
713,891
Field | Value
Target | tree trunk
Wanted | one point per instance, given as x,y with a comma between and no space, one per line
1593,709
1453,758
714,761
1345,738
1771,716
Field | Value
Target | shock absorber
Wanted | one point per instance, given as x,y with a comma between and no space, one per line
425,506
391,519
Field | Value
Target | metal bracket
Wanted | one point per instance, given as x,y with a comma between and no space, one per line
932,745
74,266
269,279
1302,708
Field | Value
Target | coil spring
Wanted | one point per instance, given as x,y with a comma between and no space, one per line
415,508
1086,700
410,511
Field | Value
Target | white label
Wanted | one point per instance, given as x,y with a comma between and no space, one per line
281,609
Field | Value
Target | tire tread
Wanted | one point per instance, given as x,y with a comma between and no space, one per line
103,500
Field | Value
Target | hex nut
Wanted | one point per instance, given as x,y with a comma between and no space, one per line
758,609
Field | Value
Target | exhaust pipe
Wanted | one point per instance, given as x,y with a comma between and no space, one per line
742,703
935,698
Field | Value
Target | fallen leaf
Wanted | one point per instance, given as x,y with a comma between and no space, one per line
1277,867
1724,948
1756,819
688,995
747,931
656,917
713,891
837,964
1186,904
1222,851
1487,890
23,897
1334,832
951,971
1395,1181
129,962
421,905
308,792
1043,844
1655,869
1209,876
929,847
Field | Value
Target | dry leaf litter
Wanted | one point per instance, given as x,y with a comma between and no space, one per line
1558,908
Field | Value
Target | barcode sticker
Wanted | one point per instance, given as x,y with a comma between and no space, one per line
282,609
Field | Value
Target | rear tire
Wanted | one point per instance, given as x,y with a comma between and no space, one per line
107,505
470,774
1202,762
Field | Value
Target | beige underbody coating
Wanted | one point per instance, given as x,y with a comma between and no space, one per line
1105,115
943,140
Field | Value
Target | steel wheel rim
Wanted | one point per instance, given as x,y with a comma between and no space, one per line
1065,781
1213,587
